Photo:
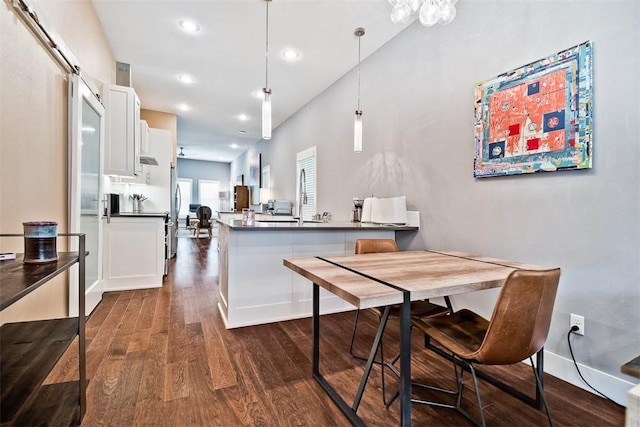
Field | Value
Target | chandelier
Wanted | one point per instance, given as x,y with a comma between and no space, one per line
430,12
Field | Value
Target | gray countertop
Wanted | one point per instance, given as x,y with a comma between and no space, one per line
236,225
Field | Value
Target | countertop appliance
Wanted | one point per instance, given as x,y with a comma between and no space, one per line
113,203
279,207
356,212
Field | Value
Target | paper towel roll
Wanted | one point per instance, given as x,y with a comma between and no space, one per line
390,210
366,209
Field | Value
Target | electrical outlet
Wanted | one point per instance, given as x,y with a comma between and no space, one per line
577,320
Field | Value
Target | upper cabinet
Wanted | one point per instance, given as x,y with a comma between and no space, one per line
122,131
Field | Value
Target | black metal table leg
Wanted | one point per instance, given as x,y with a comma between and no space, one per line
405,360
328,388
316,329
372,355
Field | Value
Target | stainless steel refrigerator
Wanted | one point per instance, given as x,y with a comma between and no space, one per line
176,201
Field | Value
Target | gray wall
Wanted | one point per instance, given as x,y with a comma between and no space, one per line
417,98
200,169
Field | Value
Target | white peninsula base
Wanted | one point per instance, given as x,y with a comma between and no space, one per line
256,288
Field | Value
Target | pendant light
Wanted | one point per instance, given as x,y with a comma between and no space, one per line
266,100
357,125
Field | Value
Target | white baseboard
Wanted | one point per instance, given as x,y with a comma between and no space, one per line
563,368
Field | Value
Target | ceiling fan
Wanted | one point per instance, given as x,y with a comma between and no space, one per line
181,153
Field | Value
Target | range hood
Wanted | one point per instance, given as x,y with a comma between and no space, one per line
148,160
123,78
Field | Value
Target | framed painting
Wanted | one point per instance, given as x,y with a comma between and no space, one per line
536,118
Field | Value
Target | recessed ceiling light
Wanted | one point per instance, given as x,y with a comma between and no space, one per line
259,94
242,117
234,146
290,54
183,107
188,26
186,78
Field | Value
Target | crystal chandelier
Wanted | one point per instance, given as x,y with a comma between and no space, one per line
430,12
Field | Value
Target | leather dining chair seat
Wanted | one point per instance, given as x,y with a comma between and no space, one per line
517,330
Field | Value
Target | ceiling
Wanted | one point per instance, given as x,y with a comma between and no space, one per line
227,59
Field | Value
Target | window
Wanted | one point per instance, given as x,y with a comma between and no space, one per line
209,194
307,160
185,196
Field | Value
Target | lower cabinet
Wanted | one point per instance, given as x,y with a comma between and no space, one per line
134,253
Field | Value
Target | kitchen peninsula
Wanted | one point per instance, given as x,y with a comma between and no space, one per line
256,288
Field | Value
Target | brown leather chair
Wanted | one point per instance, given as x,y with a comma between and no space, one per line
369,246
518,329
204,220
418,308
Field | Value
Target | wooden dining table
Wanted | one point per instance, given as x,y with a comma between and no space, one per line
383,279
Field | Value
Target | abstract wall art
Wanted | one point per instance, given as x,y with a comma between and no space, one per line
537,117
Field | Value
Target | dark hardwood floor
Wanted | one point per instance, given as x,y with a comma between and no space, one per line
162,357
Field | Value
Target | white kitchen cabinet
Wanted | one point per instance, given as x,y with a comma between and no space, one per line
134,253
122,131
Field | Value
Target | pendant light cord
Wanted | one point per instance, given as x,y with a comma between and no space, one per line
359,32
266,52
359,37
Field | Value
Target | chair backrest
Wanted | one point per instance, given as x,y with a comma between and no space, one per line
521,317
368,246
204,216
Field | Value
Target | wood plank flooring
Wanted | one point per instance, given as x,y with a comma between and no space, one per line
162,357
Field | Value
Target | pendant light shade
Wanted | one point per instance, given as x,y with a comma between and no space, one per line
266,101
266,114
357,125
357,132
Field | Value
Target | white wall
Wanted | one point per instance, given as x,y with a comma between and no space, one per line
417,98
33,130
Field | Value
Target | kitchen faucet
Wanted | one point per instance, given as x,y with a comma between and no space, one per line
302,195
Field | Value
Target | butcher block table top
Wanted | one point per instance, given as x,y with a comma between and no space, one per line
370,280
